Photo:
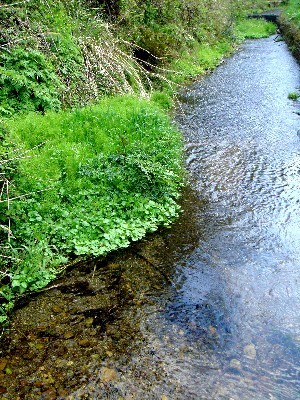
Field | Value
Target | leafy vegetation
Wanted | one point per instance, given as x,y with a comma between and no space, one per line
99,178
293,95
292,10
254,29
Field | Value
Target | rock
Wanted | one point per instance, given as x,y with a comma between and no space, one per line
57,309
84,342
38,384
3,389
23,383
62,393
108,375
3,363
164,397
235,364
250,351
48,379
212,330
50,394
69,335
29,356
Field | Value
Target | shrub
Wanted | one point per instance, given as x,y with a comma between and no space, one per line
28,82
100,176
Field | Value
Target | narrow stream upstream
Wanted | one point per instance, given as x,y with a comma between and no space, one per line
213,310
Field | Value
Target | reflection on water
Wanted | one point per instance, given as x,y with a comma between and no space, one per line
210,308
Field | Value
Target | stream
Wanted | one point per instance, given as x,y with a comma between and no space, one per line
210,308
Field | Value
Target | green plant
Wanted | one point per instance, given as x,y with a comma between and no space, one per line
253,29
92,180
28,82
293,96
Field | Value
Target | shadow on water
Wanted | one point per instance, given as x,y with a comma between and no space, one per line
208,309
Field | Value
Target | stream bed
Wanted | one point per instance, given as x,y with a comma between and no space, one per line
210,308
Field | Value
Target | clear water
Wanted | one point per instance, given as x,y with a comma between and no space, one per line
228,324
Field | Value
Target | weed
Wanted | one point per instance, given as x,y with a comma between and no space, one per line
98,178
293,96
253,29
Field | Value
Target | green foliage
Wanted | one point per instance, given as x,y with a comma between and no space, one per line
166,28
28,82
253,29
293,96
199,60
292,11
290,25
98,178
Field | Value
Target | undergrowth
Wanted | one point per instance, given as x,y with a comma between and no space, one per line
253,29
99,178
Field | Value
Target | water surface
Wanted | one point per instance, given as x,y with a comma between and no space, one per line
228,325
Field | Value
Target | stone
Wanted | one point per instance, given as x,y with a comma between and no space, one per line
3,363
250,351
235,364
50,394
3,389
69,335
57,309
48,379
84,342
212,330
108,375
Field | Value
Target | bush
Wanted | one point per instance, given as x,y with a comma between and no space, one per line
28,82
101,176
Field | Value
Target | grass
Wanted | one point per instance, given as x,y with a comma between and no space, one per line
292,10
98,177
198,60
253,29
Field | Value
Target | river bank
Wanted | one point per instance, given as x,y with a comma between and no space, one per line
56,202
207,308
291,31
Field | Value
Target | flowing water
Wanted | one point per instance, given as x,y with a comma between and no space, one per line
213,310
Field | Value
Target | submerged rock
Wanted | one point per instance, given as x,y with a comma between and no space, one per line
250,351
108,375
235,364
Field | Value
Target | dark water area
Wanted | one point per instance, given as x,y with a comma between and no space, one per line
210,308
